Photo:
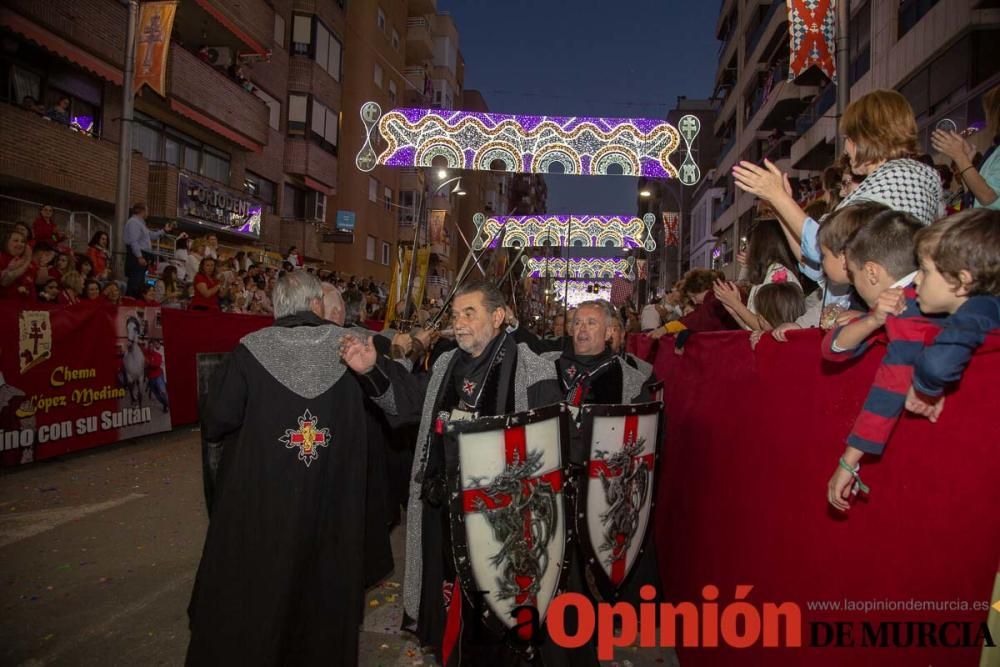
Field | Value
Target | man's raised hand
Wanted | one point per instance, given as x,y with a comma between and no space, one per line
359,355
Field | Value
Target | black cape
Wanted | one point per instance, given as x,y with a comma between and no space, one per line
281,576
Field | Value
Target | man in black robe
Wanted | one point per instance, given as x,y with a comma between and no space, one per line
488,374
381,503
592,373
281,576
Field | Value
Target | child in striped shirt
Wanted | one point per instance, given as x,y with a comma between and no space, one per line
881,265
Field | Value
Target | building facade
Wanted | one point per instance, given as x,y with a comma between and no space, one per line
941,54
261,112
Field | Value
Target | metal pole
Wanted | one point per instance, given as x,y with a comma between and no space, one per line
843,66
125,143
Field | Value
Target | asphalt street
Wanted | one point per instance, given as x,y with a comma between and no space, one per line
99,552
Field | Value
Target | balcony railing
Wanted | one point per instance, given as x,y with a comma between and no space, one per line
819,106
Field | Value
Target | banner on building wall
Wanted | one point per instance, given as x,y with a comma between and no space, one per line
80,376
156,21
671,228
640,269
812,31
436,222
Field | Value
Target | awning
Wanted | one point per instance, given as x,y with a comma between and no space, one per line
59,46
214,126
217,14
319,187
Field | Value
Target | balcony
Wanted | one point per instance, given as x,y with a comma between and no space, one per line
212,99
252,21
162,194
816,109
52,156
422,7
419,40
767,26
778,102
304,158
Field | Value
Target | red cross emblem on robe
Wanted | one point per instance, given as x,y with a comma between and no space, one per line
307,438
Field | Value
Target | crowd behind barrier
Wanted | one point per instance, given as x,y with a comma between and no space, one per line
750,434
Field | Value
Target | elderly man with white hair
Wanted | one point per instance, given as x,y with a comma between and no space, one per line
283,548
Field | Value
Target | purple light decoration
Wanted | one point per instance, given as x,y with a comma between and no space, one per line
584,231
528,144
588,269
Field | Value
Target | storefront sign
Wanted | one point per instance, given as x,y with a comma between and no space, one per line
202,202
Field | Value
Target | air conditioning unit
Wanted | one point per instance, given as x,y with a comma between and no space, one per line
220,56
315,205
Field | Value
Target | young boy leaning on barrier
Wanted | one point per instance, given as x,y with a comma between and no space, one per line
834,233
959,276
882,268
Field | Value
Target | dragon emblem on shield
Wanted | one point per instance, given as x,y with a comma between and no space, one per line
523,520
626,486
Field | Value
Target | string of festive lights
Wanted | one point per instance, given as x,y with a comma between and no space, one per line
531,144
581,267
575,292
583,231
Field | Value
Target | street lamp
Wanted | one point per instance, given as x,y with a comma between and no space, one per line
645,193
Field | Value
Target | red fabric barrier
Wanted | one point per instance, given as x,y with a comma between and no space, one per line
752,440
188,332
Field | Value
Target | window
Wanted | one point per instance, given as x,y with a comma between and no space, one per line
372,190
388,199
370,249
293,203
261,189
378,75
395,39
392,92
407,199
273,108
328,51
386,248
215,165
381,19
279,29
301,34
297,106
310,37
324,126
910,12
146,138
860,37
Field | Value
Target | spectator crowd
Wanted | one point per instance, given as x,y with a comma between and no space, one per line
37,265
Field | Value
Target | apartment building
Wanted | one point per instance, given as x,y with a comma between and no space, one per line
261,107
207,135
941,54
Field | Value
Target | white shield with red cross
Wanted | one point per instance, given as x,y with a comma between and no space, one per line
617,495
509,514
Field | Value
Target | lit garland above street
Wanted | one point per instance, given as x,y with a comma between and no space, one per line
520,143
583,231
584,267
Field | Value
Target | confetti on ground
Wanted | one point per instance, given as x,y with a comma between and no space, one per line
384,646
48,637
64,566
391,598
373,603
